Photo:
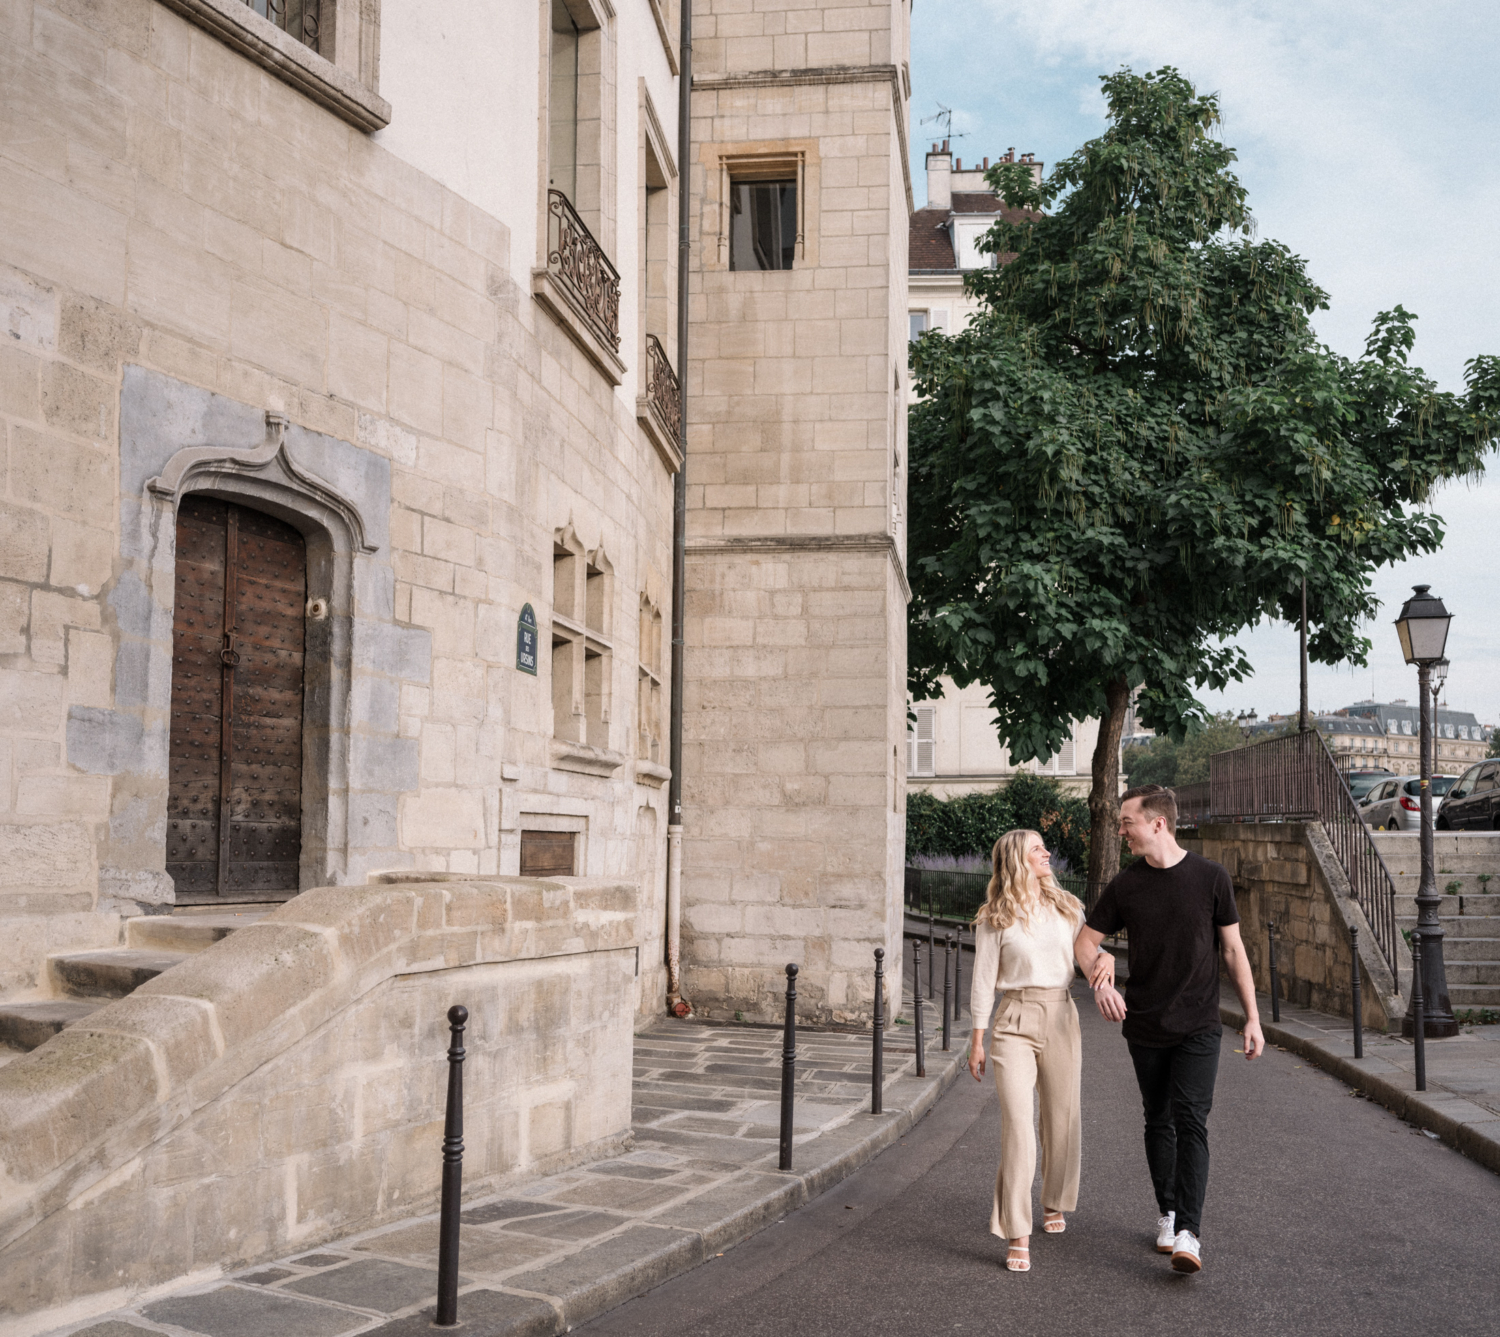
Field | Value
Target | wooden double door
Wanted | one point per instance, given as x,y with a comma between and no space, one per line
234,808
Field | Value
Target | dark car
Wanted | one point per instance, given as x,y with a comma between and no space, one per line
1362,782
1473,804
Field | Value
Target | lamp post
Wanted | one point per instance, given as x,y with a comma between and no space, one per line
1423,629
1439,676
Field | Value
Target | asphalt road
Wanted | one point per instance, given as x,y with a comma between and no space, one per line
1325,1215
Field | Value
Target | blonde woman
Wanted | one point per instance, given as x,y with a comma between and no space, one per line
1024,947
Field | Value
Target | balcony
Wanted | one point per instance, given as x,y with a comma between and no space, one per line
659,409
580,287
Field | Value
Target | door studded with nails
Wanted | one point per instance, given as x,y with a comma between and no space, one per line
234,806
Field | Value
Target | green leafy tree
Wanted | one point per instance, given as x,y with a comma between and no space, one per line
972,823
1153,763
1140,449
1494,748
1219,735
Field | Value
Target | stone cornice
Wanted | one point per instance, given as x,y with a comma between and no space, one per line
748,545
825,74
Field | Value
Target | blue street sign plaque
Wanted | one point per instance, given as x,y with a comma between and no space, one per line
526,641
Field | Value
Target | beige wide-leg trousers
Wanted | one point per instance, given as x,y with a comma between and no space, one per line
1036,1047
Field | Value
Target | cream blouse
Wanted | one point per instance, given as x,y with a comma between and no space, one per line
1033,955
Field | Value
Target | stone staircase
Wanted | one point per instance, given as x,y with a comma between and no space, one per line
1468,880
83,982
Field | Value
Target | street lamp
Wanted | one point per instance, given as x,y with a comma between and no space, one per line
1423,629
1439,676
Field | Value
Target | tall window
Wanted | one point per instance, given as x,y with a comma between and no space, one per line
582,655
921,742
562,103
916,325
648,688
762,224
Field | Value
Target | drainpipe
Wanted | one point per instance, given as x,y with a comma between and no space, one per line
676,1003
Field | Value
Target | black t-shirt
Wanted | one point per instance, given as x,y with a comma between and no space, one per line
1171,915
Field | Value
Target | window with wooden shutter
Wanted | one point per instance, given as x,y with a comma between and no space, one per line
548,853
921,742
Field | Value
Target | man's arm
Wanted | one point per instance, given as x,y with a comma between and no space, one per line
1099,966
1238,966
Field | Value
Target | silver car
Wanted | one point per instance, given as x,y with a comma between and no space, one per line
1396,804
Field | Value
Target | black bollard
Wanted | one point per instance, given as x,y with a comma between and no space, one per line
1275,979
1359,1020
788,1066
1418,1009
916,1004
931,951
877,1054
453,1174
958,971
948,995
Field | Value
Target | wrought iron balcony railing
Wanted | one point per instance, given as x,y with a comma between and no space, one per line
296,18
662,391
582,270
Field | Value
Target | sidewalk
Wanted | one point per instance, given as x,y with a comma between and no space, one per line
550,1253
1462,1102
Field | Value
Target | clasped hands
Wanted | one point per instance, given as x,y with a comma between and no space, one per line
1102,980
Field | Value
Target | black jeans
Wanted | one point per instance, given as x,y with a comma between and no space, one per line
1177,1090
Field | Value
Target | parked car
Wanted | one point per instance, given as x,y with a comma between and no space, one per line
1473,804
1396,804
1362,782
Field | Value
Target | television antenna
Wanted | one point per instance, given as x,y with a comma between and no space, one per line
943,117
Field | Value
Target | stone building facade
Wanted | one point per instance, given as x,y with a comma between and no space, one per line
795,692
387,301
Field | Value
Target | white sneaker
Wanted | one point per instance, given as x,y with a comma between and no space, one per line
1166,1232
1187,1253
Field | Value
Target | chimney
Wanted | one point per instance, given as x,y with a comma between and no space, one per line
940,178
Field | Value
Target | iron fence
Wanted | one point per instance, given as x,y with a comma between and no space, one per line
1192,803
582,269
957,896
1294,778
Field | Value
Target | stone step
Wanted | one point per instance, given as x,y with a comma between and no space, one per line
109,974
1469,884
185,932
1471,949
24,1026
1454,926
1473,995
1480,907
1477,843
1472,972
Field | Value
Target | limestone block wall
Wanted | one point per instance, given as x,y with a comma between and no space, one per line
179,226
794,720
287,1084
1288,872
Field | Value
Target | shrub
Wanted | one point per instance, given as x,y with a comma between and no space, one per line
971,823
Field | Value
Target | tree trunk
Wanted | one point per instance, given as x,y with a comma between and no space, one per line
1104,796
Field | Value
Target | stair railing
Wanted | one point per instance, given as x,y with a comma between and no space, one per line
1295,778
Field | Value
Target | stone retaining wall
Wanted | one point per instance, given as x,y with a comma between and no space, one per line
287,1084
1288,872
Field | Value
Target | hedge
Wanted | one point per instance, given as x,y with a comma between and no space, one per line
971,823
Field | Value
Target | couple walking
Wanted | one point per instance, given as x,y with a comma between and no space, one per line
1173,905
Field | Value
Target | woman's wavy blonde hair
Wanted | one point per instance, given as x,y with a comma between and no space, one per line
1009,897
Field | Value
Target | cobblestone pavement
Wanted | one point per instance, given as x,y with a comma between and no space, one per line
551,1252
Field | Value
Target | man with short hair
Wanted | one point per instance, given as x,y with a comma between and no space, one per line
1172,904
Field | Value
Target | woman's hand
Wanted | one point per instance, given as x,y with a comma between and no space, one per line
976,1056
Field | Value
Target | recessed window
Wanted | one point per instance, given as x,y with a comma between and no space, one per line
916,325
296,18
762,224
562,103
548,853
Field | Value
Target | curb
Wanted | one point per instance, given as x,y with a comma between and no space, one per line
555,1298
1478,1139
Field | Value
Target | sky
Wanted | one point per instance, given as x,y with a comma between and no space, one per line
1366,135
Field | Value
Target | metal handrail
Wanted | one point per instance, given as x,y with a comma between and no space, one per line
662,390
1295,778
582,269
